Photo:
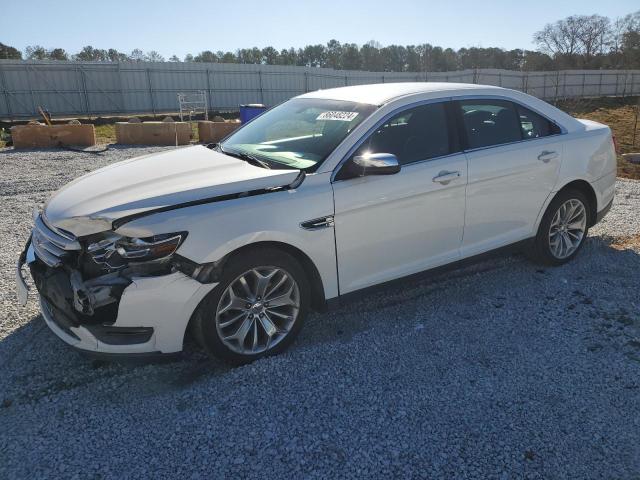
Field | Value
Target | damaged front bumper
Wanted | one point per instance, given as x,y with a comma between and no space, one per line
143,316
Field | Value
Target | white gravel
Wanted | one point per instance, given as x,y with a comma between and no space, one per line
500,370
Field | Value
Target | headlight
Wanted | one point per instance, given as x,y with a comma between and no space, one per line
115,251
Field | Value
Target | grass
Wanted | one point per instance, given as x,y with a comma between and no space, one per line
107,133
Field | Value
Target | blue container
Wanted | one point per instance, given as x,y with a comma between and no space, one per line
251,111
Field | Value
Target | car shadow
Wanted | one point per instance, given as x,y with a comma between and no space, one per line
36,364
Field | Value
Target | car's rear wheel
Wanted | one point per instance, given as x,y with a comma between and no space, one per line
563,229
257,309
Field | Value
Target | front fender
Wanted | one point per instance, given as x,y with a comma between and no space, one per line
219,228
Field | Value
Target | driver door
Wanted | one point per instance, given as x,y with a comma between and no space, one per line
390,226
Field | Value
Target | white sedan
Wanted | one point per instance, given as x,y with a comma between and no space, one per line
316,200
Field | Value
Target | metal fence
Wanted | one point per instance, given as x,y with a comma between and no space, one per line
92,89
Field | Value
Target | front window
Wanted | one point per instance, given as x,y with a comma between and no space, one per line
300,133
419,133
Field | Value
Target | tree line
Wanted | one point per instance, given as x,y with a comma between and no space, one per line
578,41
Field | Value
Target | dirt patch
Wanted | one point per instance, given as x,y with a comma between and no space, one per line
619,114
631,242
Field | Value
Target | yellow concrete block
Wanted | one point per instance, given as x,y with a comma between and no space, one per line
43,136
213,132
153,133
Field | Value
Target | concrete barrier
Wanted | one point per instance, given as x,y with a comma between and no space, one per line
153,133
213,132
43,136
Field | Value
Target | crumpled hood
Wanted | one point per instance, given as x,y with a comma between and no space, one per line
92,202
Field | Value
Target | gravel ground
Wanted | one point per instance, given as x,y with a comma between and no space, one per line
500,370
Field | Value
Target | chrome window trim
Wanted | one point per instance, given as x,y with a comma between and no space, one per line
380,122
517,142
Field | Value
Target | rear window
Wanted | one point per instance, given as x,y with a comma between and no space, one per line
490,122
534,125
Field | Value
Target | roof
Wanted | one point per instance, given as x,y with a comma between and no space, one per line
379,93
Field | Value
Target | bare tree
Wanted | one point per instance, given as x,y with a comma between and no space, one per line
561,40
154,56
137,55
594,36
36,52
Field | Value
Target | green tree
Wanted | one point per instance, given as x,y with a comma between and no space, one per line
333,55
58,54
90,54
269,56
9,53
351,59
371,57
206,57
114,55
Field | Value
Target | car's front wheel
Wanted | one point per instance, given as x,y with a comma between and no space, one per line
257,309
563,228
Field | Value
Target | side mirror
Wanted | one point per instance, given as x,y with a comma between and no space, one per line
373,164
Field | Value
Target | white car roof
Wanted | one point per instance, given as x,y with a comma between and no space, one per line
380,93
385,93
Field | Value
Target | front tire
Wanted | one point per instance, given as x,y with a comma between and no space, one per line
256,310
563,229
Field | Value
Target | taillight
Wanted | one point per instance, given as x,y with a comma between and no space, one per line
615,143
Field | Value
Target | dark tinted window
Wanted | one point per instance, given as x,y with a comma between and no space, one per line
416,134
490,122
534,125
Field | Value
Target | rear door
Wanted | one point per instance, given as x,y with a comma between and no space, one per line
391,226
514,157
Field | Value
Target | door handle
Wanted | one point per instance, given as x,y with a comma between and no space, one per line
547,155
445,177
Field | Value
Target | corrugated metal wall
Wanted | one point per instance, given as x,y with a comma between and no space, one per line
90,89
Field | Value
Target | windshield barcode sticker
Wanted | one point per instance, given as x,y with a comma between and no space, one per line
340,116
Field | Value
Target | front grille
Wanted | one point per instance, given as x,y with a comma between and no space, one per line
52,245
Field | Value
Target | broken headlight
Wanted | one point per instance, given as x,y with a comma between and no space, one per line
115,251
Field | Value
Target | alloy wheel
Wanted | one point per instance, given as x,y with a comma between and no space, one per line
567,228
257,310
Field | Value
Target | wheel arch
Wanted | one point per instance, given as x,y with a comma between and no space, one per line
318,299
587,190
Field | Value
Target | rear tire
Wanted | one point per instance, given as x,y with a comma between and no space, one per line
256,310
563,229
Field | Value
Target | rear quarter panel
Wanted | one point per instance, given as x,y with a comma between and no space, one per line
589,155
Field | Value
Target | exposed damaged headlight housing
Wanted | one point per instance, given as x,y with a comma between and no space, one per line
116,251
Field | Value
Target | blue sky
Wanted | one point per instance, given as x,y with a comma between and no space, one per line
189,26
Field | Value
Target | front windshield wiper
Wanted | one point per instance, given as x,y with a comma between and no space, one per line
246,157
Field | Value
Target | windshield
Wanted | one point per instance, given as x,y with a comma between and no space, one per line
300,133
